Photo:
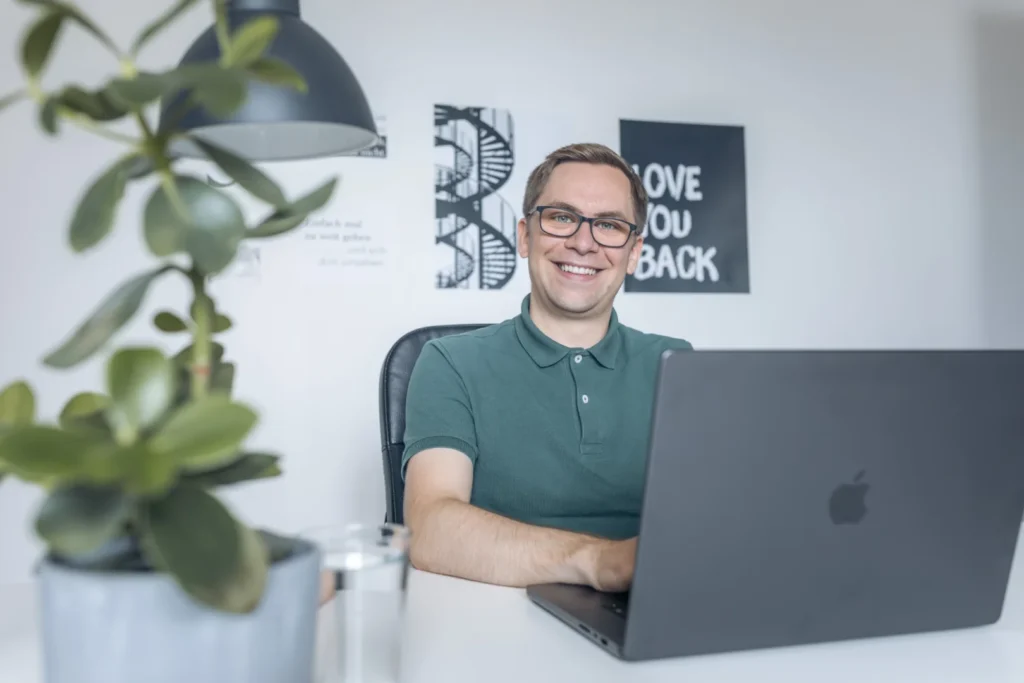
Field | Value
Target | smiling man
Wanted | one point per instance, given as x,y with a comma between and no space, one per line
526,441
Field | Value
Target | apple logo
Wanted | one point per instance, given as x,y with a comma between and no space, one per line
846,506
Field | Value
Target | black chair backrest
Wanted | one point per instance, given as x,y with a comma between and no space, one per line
394,385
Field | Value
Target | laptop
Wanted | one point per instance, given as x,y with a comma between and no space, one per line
801,497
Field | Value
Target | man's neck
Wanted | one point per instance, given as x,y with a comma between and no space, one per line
572,332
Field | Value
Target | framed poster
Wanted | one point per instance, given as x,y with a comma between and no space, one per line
695,237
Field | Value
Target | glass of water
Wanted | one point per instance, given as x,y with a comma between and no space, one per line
361,631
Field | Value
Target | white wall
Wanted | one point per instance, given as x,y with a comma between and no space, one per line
884,143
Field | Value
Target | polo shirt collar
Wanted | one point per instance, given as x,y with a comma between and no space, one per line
545,351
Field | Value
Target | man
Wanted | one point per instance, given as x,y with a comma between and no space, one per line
526,441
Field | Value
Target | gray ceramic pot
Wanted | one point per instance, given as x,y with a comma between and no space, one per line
139,627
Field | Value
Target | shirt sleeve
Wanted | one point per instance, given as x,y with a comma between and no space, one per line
438,413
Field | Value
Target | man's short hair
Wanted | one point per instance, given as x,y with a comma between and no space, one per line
591,153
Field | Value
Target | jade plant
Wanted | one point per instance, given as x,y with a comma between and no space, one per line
128,470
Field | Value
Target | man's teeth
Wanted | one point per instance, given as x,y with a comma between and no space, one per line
578,270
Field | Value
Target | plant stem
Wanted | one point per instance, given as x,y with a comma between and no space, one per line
91,126
171,189
147,132
12,97
221,24
154,149
202,336
128,67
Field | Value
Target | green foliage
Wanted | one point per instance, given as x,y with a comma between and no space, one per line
94,217
86,412
206,433
39,42
276,72
118,308
190,534
12,98
98,105
294,214
67,11
141,385
185,215
166,321
17,409
48,114
251,40
245,174
80,518
217,89
247,467
48,455
221,323
17,405
161,22
129,472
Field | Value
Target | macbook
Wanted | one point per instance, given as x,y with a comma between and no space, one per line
798,497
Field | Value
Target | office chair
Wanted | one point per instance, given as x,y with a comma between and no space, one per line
394,385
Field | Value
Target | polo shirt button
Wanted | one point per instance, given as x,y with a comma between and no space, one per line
578,358
586,399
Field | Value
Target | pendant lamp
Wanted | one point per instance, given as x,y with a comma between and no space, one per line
279,123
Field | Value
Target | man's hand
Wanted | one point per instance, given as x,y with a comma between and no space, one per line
608,565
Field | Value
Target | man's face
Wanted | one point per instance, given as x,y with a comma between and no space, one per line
589,190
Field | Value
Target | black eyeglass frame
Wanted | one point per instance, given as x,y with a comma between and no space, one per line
580,219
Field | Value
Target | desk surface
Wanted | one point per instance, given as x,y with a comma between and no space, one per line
457,631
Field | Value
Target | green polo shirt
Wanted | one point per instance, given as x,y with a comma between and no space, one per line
557,435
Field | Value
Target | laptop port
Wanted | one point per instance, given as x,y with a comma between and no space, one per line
604,641
584,628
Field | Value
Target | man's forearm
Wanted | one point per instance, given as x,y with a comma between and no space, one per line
458,539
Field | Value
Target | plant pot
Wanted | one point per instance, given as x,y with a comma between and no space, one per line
140,627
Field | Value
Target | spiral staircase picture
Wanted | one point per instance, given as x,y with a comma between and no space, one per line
474,224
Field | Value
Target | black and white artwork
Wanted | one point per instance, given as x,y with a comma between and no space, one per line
475,224
695,239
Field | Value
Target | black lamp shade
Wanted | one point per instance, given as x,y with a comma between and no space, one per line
280,123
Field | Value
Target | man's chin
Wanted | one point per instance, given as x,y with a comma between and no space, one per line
577,305
574,298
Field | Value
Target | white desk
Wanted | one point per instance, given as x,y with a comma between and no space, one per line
467,632
457,631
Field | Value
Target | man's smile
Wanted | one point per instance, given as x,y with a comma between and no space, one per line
577,271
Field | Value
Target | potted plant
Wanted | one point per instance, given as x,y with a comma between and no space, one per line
147,575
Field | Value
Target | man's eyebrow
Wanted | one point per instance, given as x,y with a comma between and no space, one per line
613,214
602,214
565,205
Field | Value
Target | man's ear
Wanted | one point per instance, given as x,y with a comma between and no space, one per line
523,237
634,254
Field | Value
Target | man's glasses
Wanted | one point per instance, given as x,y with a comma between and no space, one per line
608,232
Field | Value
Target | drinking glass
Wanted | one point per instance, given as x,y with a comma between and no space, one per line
369,566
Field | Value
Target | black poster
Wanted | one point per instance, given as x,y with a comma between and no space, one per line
695,239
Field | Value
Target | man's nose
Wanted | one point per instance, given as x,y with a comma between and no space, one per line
583,241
